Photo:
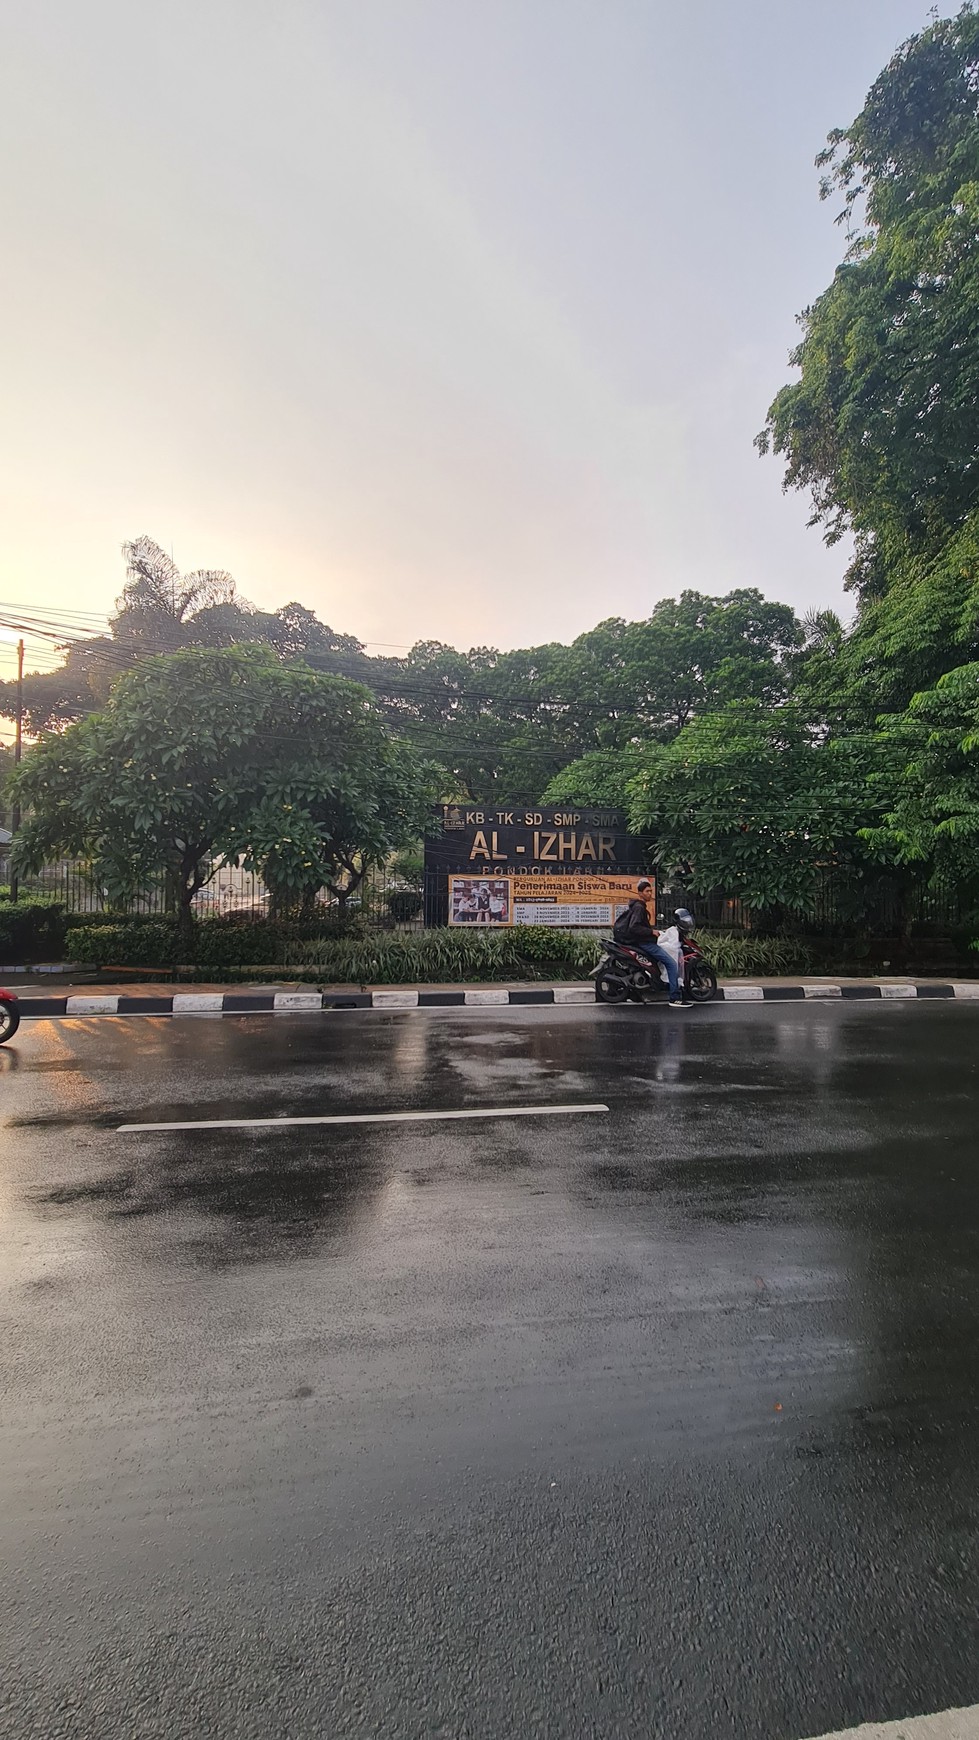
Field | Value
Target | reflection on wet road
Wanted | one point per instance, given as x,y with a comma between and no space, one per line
654,1423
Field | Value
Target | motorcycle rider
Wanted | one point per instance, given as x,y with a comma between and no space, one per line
633,927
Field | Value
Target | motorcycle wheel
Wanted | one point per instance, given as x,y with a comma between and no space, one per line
702,983
609,988
9,1021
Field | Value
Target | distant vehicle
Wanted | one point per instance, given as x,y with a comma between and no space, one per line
9,1016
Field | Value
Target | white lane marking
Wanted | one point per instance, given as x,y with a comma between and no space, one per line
947,1725
365,1118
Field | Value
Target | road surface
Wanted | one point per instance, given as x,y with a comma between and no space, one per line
653,1421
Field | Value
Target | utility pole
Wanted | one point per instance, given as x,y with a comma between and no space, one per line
18,742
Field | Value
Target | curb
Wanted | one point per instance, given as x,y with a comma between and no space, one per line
311,1002
54,967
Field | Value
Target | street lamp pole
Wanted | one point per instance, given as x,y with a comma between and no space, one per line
18,743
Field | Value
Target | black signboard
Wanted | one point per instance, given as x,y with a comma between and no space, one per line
544,839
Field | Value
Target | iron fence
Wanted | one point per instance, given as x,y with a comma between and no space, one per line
384,896
386,899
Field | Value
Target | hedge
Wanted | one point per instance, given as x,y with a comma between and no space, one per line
152,943
31,929
385,958
310,952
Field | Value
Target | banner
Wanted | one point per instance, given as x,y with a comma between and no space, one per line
567,902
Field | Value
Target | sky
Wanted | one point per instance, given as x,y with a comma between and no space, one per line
453,319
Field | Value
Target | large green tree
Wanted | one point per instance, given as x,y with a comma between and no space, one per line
933,823
334,793
502,724
603,777
882,426
750,800
222,751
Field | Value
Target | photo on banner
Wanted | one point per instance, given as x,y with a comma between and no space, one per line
480,900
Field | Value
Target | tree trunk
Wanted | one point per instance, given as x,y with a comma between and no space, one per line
189,880
185,926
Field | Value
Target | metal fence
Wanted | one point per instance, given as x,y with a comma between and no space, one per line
880,907
386,899
383,894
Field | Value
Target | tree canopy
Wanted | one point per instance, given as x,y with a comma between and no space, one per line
933,821
502,724
224,751
749,800
882,428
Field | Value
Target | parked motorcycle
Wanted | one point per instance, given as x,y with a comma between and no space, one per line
626,974
9,1016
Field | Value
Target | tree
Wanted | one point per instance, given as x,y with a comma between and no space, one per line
934,820
748,799
882,426
150,783
628,679
197,753
602,777
53,699
334,795
158,602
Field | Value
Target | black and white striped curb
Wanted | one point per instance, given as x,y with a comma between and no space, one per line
483,996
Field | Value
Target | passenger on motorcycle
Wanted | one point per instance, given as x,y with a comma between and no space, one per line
633,927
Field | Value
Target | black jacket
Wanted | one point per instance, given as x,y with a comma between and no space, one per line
635,925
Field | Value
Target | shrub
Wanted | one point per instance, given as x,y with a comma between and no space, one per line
218,943
404,904
229,945
434,956
410,867
31,929
85,920
741,957
126,943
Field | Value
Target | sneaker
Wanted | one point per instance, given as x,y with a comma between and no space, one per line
678,1003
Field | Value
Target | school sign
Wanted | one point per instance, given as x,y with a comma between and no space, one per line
544,865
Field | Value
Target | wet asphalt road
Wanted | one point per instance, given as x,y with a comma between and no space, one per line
660,1422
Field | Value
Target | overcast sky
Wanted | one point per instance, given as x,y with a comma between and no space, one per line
453,319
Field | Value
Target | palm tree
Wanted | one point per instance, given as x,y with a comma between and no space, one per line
158,602
822,629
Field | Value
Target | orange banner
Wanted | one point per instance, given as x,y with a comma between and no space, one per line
592,902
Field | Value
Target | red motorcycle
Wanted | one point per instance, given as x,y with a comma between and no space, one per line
626,974
9,1016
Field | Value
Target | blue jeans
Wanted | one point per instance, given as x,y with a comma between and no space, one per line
655,953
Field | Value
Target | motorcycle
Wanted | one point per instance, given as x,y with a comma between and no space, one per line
626,974
9,1016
